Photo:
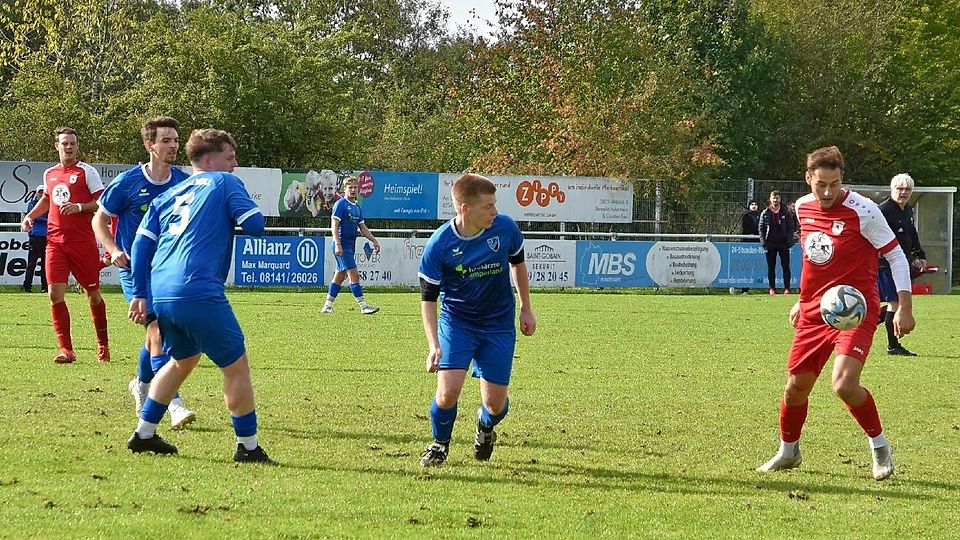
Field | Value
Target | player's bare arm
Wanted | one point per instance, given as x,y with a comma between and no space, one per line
903,321
42,207
101,228
369,236
428,313
335,233
794,317
528,321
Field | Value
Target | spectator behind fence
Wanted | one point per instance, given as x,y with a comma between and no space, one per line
776,237
899,215
38,246
749,225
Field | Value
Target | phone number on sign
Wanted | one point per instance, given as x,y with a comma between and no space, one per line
375,275
540,276
278,278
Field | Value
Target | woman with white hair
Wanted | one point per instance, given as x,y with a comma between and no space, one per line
899,216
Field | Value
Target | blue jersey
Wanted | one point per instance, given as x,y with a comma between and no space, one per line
474,273
128,197
192,225
39,224
350,217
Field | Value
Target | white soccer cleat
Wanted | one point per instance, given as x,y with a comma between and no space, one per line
882,462
367,309
327,308
180,416
781,462
138,396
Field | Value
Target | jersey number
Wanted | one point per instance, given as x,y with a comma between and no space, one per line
181,208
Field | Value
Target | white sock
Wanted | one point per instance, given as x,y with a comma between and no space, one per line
144,387
249,443
175,402
145,429
329,300
789,448
362,301
879,441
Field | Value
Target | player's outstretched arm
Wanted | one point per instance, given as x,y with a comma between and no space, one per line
428,313
528,321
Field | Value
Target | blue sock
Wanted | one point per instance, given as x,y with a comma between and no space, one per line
441,421
334,290
356,289
144,367
246,425
152,411
490,420
157,362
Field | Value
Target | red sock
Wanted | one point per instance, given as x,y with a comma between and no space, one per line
99,313
61,325
867,416
791,420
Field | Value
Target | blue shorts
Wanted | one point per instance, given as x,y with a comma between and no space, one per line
491,352
126,285
206,326
885,285
347,261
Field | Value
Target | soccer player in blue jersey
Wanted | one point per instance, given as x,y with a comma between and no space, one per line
184,243
346,222
467,264
126,199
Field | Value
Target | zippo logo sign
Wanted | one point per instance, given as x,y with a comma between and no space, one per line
536,198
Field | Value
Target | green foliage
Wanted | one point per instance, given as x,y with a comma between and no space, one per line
688,91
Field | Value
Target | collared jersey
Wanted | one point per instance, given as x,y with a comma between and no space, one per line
474,273
77,183
128,197
841,245
350,216
192,224
902,224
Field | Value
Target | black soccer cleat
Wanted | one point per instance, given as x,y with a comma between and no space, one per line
899,350
257,455
483,443
434,454
153,444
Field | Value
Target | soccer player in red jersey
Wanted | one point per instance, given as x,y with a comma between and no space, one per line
842,233
72,189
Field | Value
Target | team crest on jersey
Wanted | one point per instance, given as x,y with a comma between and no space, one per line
494,243
60,195
838,227
818,247
73,178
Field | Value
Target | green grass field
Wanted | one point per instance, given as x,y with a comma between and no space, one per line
634,415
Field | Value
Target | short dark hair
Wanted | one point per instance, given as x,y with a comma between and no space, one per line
469,186
207,141
828,157
150,127
775,192
63,130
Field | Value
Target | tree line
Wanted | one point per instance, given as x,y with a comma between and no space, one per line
689,91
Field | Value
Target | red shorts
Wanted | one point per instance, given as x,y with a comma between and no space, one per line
81,259
814,341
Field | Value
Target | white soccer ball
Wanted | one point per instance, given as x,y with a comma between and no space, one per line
843,307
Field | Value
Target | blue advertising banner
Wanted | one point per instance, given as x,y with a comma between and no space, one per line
613,264
744,265
292,261
399,195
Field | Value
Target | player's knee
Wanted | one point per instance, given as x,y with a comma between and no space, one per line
446,399
795,393
845,387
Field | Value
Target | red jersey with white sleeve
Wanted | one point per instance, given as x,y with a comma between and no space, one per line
840,246
76,183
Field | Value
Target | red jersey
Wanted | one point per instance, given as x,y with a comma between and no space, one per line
841,245
77,183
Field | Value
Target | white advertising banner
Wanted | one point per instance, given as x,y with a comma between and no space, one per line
14,248
683,264
551,263
396,264
536,198
19,180
263,185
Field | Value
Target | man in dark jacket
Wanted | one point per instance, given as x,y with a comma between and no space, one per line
776,237
749,224
38,246
899,215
